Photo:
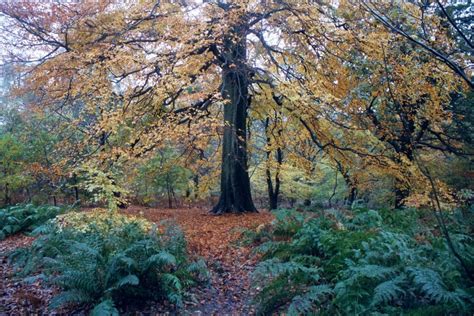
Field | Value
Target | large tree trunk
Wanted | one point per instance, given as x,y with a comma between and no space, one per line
235,183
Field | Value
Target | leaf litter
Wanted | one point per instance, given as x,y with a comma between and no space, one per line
214,238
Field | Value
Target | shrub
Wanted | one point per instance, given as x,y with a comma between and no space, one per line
101,220
361,263
25,218
102,260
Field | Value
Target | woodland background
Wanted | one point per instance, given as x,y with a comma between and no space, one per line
342,107
347,124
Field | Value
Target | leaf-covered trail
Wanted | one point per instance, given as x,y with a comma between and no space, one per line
211,237
214,238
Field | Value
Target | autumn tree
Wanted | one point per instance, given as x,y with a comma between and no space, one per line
426,24
135,71
136,78
364,92
12,164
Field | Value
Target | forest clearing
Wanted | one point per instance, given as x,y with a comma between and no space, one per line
236,157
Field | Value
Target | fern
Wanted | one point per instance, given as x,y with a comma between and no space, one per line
173,287
305,303
130,279
389,291
68,297
433,287
105,308
162,258
106,261
275,268
198,271
26,218
362,263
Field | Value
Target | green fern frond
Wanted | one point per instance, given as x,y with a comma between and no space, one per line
127,280
105,308
388,291
305,303
431,284
274,268
198,269
68,297
172,281
163,258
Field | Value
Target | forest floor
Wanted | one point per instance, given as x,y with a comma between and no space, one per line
214,238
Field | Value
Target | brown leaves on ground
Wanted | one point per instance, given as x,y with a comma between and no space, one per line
17,297
208,236
214,238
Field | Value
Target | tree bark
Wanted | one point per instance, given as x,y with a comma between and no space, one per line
28,194
402,191
351,183
170,191
333,189
196,186
273,192
352,188
235,195
76,189
352,194
7,199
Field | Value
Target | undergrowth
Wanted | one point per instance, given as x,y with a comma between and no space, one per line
362,262
102,260
25,218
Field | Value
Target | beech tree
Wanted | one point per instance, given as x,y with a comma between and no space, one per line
129,63
137,77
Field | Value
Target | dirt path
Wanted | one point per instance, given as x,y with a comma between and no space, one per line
211,237
214,238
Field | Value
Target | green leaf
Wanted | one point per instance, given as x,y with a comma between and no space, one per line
105,308
130,279
72,296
